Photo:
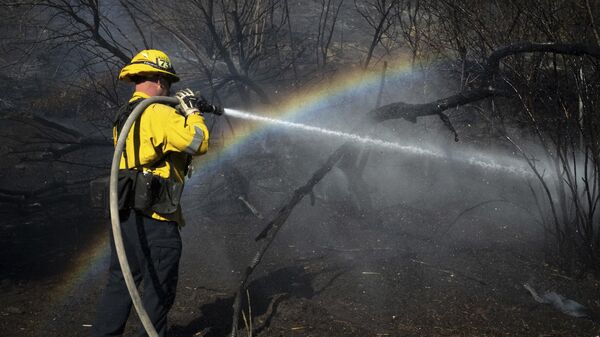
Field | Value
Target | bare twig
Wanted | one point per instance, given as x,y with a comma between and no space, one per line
250,207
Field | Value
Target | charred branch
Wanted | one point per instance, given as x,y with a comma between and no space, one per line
270,231
23,196
410,112
95,30
227,58
377,14
492,63
59,139
56,153
250,207
56,126
48,128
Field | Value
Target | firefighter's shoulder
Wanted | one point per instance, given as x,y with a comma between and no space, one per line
162,111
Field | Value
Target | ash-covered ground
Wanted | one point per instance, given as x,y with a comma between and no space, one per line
444,250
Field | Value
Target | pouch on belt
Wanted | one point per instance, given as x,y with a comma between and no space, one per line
147,192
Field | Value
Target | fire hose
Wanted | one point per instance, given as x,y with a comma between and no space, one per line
114,198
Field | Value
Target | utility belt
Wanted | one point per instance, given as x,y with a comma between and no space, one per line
148,192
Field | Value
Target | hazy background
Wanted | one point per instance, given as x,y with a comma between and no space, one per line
324,63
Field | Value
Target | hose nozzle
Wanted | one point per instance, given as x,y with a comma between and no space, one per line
205,107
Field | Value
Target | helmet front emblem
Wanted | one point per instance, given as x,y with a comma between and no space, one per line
162,63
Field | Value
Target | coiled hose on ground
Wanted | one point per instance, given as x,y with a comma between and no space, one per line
114,209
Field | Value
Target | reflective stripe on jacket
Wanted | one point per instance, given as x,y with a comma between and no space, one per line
161,141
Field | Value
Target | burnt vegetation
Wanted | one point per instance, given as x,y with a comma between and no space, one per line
521,76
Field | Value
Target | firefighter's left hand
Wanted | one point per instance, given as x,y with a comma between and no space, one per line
187,102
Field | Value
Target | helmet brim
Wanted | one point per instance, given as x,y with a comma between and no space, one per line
131,71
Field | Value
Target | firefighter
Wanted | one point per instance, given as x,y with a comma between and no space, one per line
157,153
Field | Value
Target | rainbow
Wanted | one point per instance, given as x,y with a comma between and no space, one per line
80,278
310,101
90,263
317,96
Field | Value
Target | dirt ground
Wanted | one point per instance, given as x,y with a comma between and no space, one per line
338,275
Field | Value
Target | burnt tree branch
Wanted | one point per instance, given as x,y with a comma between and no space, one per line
60,139
492,64
23,196
410,112
56,152
77,16
270,231
57,126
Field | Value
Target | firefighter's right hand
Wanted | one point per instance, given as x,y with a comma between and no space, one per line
187,102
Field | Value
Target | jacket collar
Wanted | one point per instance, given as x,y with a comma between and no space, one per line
138,95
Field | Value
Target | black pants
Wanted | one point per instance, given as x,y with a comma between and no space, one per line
153,250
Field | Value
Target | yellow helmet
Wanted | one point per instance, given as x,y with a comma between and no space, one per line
149,62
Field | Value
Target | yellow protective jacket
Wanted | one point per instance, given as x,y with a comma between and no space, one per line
161,141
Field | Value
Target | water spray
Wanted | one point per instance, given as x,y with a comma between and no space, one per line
480,160
327,132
